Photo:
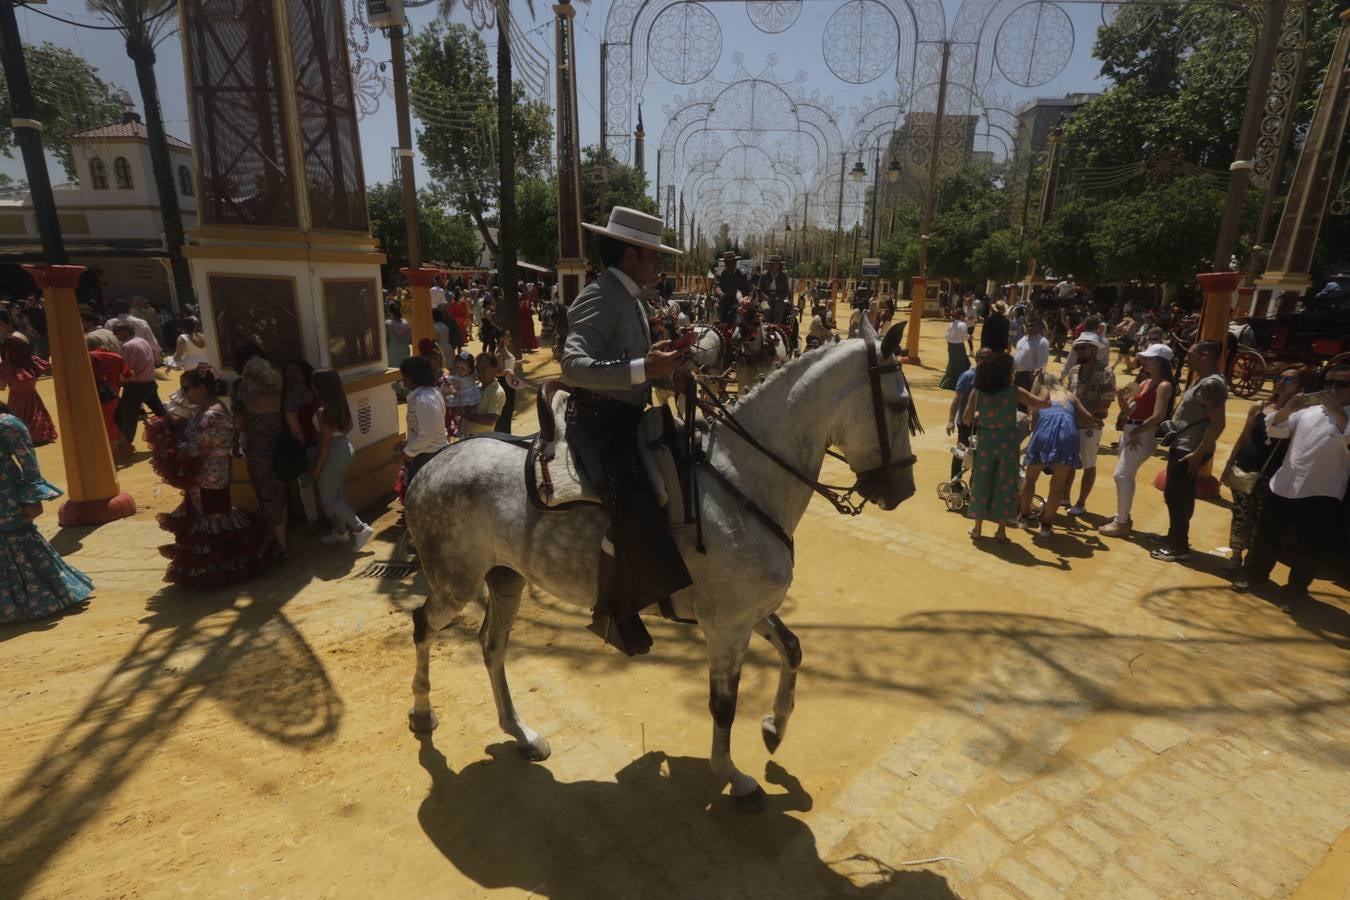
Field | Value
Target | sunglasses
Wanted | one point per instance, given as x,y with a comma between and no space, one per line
1286,379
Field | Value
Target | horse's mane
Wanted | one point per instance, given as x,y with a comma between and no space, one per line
810,356
791,365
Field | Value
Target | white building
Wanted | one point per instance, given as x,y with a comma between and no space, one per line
110,217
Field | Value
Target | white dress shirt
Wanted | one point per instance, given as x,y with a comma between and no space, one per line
1318,461
1031,353
957,332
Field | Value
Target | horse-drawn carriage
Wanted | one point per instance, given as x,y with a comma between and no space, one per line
1258,348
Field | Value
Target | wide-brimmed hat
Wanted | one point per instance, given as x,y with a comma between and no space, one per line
633,227
730,254
775,258
1159,351
1091,339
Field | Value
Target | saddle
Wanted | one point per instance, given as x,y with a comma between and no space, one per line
562,473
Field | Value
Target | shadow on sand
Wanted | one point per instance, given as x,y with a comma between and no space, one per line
661,830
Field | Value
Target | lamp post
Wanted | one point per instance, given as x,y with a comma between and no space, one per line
838,222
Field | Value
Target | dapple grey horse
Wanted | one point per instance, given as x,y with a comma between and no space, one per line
481,539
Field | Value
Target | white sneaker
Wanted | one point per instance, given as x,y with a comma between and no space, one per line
1075,511
336,537
362,537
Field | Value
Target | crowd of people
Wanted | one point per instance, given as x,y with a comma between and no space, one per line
1019,414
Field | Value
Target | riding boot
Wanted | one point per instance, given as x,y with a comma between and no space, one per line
629,635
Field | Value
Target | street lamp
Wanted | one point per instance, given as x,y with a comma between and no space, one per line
858,172
893,171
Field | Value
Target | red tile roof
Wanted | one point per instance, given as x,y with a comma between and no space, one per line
124,131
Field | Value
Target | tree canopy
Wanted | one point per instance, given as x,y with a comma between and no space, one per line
68,96
537,203
446,239
455,96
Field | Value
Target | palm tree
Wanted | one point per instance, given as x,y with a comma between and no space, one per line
144,24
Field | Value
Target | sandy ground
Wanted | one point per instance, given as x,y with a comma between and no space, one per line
1072,719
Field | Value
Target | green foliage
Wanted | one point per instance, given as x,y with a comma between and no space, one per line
1163,234
447,239
68,96
456,94
537,205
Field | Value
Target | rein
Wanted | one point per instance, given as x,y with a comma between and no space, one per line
841,498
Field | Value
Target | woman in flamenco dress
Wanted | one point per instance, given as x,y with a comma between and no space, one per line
529,341
36,582
215,545
19,371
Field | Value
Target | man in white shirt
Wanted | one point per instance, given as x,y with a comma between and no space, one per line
1307,490
438,298
1031,354
1066,289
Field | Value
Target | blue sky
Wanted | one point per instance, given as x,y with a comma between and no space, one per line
798,49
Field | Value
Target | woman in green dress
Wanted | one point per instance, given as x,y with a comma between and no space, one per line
996,475
958,361
37,581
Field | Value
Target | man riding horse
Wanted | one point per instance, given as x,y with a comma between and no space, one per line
610,362
732,283
773,284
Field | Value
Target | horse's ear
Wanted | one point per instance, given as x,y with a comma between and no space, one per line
894,335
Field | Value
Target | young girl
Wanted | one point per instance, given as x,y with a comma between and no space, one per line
463,392
334,420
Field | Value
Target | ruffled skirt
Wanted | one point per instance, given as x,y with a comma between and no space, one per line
25,403
215,545
38,582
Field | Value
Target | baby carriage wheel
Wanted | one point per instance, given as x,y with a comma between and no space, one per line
944,490
1037,507
956,502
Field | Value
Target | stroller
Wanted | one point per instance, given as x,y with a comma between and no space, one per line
955,492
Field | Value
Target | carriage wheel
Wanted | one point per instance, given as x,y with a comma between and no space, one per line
956,502
944,490
1248,373
1037,508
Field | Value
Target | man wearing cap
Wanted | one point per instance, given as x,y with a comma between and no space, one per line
731,282
773,284
610,362
1090,380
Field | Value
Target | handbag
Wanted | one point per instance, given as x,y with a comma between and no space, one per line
288,457
106,394
1240,481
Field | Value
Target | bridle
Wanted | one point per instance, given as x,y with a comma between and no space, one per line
841,498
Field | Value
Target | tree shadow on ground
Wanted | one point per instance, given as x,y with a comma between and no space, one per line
661,829
225,646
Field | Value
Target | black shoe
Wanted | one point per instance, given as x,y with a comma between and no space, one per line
1242,583
1292,599
1167,554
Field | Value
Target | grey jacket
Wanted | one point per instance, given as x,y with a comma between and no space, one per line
607,329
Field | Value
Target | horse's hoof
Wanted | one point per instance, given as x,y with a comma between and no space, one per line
753,802
537,750
422,723
770,732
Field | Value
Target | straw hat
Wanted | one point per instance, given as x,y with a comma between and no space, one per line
633,227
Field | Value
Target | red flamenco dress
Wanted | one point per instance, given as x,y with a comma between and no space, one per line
529,341
19,371
215,545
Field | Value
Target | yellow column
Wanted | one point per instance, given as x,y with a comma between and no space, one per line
93,495
420,281
919,295
1218,310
